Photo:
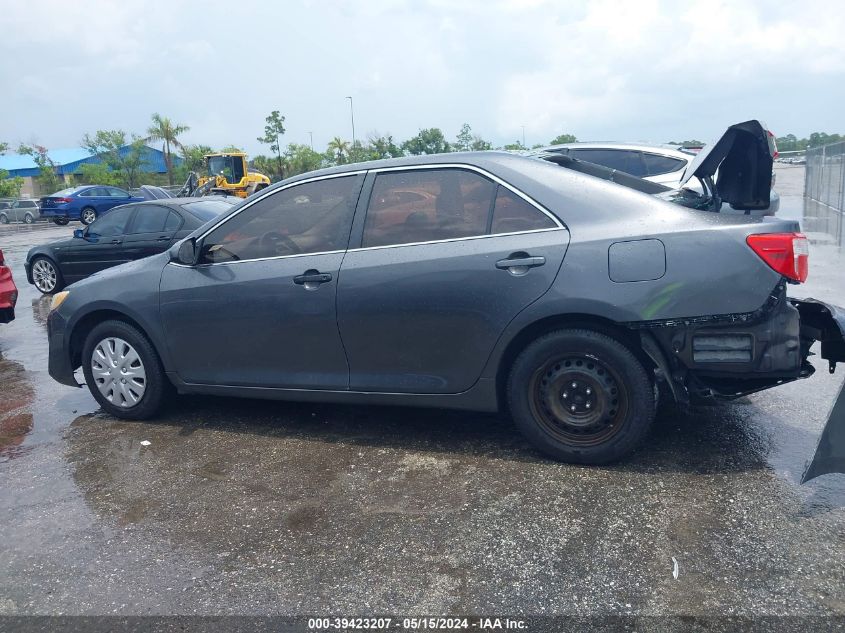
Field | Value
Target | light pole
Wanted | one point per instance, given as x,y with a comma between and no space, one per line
523,135
352,116
311,134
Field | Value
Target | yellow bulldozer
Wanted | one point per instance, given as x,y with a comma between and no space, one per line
226,174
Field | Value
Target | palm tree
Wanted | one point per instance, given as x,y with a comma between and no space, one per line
339,148
163,129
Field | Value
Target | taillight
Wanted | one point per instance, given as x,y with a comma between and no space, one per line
63,200
786,253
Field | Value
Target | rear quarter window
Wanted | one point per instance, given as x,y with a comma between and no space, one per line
656,165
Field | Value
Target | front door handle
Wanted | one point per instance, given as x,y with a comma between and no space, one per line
164,238
520,263
117,241
312,279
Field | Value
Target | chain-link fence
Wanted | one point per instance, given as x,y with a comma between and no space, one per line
824,190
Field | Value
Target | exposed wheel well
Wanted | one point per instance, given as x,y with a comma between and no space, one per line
88,323
629,338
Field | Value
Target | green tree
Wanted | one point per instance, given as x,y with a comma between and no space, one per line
10,187
231,149
48,180
4,147
379,147
515,146
300,159
125,158
163,129
479,144
274,129
463,141
338,150
267,165
427,141
99,174
193,160
563,138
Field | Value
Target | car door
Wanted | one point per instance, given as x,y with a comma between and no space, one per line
259,307
152,230
100,247
434,282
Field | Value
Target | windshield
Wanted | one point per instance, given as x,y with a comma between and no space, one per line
64,192
205,210
221,165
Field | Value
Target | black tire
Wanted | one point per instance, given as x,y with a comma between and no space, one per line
156,387
87,211
4,219
40,268
61,221
28,219
581,397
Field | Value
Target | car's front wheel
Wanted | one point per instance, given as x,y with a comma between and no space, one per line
581,396
46,276
123,371
88,215
4,219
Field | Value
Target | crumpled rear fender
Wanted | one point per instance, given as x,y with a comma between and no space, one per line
825,323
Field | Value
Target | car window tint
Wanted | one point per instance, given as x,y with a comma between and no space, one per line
427,205
117,193
623,160
150,218
512,213
113,223
308,218
88,192
173,222
656,165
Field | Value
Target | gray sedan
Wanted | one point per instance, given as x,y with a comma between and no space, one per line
484,281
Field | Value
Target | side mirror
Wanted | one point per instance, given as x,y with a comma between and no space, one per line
79,234
187,252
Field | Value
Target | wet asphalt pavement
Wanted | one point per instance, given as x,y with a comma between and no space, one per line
244,507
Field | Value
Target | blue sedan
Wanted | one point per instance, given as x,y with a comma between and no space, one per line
85,203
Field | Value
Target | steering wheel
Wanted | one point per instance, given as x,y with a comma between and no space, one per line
273,240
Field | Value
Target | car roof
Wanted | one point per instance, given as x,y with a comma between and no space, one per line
664,150
178,202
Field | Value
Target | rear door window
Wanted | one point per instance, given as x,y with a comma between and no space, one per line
150,218
427,205
628,161
114,192
656,165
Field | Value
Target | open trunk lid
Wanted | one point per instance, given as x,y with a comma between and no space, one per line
741,162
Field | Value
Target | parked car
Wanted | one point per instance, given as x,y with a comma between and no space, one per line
26,211
664,165
8,292
85,203
509,284
124,234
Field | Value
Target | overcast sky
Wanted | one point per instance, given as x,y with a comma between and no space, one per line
644,70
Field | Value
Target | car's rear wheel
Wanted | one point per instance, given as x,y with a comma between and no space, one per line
28,218
581,396
88,215
4,219
123,371
61,221
46,275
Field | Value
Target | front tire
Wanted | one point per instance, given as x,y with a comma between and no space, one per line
87,216
4,219
123,371
581,397
46,276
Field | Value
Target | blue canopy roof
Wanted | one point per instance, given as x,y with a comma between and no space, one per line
69,160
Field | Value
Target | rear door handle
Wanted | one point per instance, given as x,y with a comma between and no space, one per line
164,238
312,278
520,262
117,241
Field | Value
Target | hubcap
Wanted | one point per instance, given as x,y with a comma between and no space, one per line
578,400
44,275
89,216
118,372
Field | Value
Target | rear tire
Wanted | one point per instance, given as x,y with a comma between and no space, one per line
130,382
581,397
87,215
28,219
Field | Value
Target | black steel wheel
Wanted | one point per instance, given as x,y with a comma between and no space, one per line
581,396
